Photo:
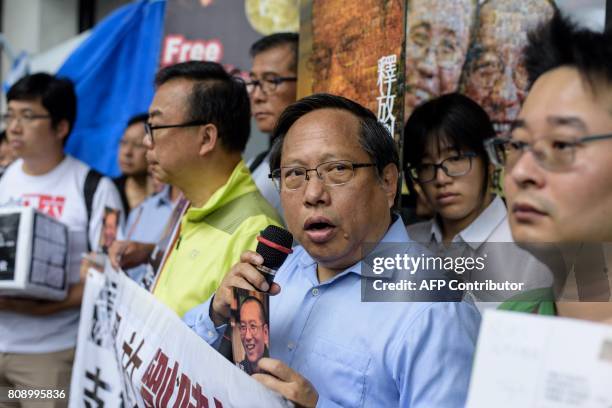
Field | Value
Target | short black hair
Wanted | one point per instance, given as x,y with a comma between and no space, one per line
262,309
452,118
374,138
560,42
139,118
2,136
216,97
56,95
277,40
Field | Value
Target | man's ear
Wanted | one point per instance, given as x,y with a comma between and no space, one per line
389,180
208,136
62,129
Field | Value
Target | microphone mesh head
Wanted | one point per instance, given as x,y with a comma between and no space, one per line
273,258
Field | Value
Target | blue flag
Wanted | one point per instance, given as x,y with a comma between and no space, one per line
113,71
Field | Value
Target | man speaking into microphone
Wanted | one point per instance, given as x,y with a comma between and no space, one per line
336,168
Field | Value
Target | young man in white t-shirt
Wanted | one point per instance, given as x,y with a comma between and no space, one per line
37,338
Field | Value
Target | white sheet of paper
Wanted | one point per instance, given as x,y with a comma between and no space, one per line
525,360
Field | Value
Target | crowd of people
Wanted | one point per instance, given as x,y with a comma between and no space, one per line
190,210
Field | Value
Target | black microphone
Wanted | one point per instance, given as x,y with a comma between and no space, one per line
274,245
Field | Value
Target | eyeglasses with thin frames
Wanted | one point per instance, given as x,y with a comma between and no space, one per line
150,128
454,166
252,327
550,154
26,119
267,84
332,173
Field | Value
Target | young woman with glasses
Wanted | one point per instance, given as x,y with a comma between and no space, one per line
444,154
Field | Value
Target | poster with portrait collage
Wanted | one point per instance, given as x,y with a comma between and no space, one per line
440,46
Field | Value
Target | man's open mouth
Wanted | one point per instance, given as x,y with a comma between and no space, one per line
319,229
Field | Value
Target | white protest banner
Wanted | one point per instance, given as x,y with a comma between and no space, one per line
95,379
134,351
525,360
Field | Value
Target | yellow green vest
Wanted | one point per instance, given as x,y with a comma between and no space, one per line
211,240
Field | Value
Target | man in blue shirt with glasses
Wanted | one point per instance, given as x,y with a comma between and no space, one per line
336,168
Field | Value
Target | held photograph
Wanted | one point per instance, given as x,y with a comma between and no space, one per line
250,329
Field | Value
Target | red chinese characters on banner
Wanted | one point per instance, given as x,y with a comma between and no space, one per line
53,206
160,380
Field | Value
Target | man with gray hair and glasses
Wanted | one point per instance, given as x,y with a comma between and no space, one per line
272,86
337,170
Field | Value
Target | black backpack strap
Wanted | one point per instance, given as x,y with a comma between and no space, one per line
89,190
257,161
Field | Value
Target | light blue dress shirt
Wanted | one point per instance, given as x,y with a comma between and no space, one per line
359,354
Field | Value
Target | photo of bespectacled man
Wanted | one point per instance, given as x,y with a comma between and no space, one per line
495,75
110,227
251,331
438,34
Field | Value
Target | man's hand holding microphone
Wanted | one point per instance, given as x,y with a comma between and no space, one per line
256,272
